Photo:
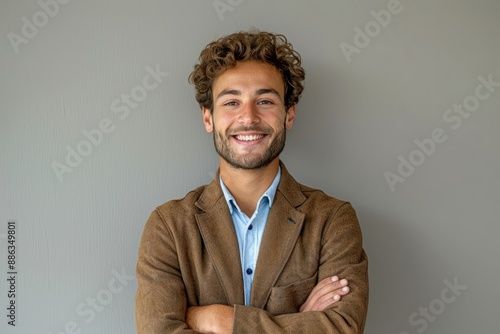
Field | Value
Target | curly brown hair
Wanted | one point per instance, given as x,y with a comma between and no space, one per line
225,52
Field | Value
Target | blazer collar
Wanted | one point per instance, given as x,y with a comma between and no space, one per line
288,187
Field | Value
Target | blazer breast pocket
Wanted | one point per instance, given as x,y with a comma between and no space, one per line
289,298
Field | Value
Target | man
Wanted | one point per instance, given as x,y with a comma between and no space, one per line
253,251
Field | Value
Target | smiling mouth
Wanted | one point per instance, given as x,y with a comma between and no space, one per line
249,137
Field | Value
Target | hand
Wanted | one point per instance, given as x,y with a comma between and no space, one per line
328,291
216,319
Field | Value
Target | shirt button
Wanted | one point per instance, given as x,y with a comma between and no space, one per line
250,227
249,271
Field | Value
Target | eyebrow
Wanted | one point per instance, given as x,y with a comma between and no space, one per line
228,92
260,91
268,91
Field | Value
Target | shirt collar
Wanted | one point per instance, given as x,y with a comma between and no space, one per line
269,193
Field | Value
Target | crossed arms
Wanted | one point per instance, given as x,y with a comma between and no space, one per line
180,289
218,319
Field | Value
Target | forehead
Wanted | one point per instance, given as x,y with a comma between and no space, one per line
249,75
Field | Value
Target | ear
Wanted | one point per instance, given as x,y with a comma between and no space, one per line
290,116
207,119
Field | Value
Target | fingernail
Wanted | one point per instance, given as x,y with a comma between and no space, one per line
345,289
343,282
336,297
335,278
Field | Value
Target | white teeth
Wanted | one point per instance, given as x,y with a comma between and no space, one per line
249,138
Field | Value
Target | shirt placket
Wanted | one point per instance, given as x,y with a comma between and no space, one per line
249,265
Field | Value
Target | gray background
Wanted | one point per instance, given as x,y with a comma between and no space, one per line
358,114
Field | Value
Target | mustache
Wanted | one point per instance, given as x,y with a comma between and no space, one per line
248,128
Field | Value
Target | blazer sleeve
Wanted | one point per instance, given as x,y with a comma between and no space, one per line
342,255
160,304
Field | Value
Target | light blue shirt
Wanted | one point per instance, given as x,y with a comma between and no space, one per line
249,231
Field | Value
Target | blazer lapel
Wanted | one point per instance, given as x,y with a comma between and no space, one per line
219,236
280,235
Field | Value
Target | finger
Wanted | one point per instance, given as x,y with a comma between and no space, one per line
325,300
327,289
313,295
330,298
333,295
330,294
325,286
322,289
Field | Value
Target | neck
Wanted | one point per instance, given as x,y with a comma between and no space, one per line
248,185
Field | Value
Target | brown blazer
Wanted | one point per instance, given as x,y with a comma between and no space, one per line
189,256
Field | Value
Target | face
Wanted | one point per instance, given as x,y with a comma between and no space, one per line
249,120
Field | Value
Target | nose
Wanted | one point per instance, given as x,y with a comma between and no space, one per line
249,114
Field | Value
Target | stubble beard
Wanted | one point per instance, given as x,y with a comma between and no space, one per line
223,148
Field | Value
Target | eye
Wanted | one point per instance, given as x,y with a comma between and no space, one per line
265,102
230,103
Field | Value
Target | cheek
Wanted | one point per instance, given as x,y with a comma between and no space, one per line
223,122
220,126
